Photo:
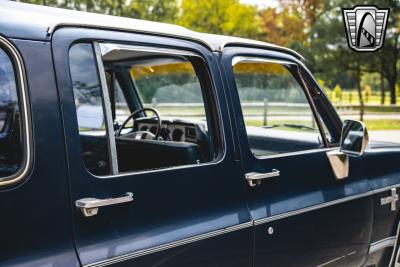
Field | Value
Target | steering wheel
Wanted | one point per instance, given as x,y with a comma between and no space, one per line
142,133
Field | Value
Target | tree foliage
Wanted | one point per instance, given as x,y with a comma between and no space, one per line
321,38
314,28
228,17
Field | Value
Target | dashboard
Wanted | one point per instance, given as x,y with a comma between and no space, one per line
178,131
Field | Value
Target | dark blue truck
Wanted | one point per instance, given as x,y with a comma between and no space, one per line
134,143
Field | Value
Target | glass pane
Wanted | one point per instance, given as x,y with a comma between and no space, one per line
10,128
89,109
170,85
276,112
118,99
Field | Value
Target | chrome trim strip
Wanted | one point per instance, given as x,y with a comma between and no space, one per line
323,205
169,245
242,226
386,188
337,259
156,50
262,45
393,257
112,148
381,244
19,70
298,153
311,208
259,59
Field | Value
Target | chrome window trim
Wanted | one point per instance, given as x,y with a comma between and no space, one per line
298,153
158,50
221,132
310,102
21,84
106,102
381,244
166,246
238,59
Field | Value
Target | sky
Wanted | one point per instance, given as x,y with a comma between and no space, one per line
261,3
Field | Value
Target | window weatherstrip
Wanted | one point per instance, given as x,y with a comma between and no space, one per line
107,110
19,72
302,83
313,107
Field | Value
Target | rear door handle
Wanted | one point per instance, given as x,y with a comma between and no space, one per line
90,206
255,178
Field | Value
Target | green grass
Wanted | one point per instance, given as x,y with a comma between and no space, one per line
258,123
351,97
381,124
386,124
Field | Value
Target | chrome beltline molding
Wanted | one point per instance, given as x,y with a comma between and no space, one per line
169,245
390,241
381,244
322,205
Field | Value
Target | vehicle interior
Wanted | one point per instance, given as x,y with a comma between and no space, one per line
163,114
152,130
286,122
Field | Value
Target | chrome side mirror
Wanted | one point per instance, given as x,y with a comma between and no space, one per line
354,139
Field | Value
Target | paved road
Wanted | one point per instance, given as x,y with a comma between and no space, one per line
390,135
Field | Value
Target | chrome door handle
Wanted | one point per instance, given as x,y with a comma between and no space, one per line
255,178
90,206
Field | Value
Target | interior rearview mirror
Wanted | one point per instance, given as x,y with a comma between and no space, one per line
354,139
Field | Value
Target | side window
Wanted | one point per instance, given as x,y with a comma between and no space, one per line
276,111
89,109
159,104
11,134
173,87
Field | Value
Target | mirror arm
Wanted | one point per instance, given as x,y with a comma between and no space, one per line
339,162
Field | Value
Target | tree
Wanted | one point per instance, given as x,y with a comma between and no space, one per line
228,17
391,50
283,27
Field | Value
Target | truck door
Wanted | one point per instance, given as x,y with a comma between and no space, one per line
302,215
166,190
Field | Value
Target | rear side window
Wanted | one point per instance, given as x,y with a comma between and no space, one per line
11,141
276,111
